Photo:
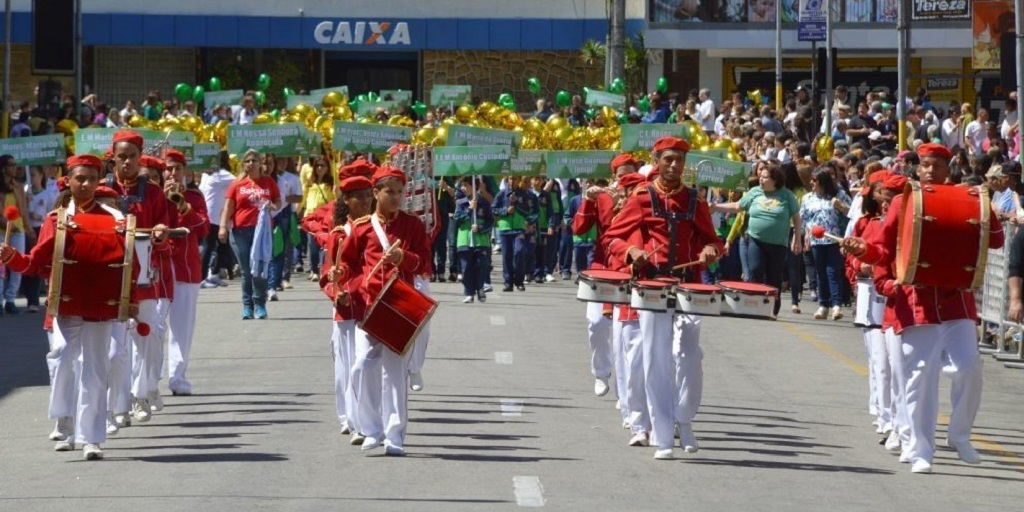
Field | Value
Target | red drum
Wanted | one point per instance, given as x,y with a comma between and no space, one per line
398,314
92,271
650,295
943,236
699,299
748,299
605,286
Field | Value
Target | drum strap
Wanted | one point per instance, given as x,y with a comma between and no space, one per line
671,218
379,230
126,200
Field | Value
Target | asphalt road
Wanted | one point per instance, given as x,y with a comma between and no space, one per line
508,419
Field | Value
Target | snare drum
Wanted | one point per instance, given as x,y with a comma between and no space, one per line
650,295
144,253
748,299
932,217
398,315
870,305
698,299
605,286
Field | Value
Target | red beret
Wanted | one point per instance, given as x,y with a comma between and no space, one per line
152,162
109,155
359,167
935,150
396,148
671,143
875,177
84,160
652,174
131,136
624,159
105,192
895,182
173,155
388,172
631,180
355,183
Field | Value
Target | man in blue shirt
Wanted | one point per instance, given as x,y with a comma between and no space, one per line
659,110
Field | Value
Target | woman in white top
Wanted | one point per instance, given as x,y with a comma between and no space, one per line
215,254
41,200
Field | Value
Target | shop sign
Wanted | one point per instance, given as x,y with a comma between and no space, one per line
362,33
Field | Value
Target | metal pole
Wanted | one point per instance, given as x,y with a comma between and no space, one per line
5,125
778,58
902,28
79,90
617,42
1019,24
814,83
828,67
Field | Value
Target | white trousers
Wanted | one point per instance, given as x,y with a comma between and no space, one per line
86,343
635,402
897,385
377,372
656,330
148,353
419,349
879,377
599,333
63,393
923,348
181,320
688,358
619,358
343,346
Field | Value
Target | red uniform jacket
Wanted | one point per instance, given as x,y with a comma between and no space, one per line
600,211
637,226
153,210
920,305
185,251
320,223
350,281
362,250
864,228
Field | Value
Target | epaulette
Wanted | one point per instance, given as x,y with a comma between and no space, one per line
361,220
335,229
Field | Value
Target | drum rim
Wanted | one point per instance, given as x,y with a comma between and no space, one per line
740,286
699,288
621,276
650,284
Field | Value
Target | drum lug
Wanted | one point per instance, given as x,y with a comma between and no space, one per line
969,268
924,264
928,218
69,262
973,222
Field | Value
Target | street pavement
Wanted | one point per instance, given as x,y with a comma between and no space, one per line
507,419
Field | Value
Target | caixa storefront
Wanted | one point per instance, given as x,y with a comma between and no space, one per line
128,54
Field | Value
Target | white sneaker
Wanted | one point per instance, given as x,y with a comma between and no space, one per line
345,430
393,450
904,458
92,452
665,454
64,446
371,443
141,410
601,387
892,444
468,299
207,284
416,381
272,295
837,313
286,284
821,313
357,439
549,278
112,426
156,402
965,451
921,466
63,429
641,439
487,288
687,441
626,425
459,279
123,420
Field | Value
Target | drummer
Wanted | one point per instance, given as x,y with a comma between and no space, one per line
931,321
150,207
597,209
383,244
653,238
87,339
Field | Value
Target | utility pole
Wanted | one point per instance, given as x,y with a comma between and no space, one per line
5,125
1019,26
828,67
79,89
903,29
779,101
616,54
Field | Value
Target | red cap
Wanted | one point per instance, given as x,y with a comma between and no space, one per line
131,136
875,177
624,159
359,167
84,161
671,143
152,162
895,182
652,174
935,150
173,155
355,183
388,172
631,180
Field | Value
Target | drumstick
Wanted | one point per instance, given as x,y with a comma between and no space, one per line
393,247
819,232
171,232
12,214
690,264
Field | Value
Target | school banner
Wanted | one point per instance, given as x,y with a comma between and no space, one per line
205,156
182,141
528,162
444,95
471,160
369,138
719,173
605,99
400,97
40,150
96,141
226,98
316,96
641,137
462,135
280,139
713,153
579,164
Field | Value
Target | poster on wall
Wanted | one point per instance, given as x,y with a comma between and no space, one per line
763,11
887,10
943,85
991,19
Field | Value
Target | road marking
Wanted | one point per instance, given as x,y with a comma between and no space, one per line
503,357
497,320
511,407
529,492
982,441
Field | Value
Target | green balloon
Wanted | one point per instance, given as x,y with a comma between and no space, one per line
617,86
261,97
214,83
534,85
623,119
263,82
591,114
419,108
372,97
644,104
288,92
183,92
276,113
662,85
563,98
198,94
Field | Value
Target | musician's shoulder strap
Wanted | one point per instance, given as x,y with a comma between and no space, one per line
361,220
379,231
655,201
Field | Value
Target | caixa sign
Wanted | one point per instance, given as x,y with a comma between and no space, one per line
362,33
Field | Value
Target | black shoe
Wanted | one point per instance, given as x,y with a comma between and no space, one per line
538,280
521,288
507,288
433,279
11,309
452,278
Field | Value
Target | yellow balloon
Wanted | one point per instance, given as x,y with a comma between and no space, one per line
135,121
426,134
556,122
67,127
263,118
563,133
533,126
722,144
734,156
464,114
302,110
442,135
333,99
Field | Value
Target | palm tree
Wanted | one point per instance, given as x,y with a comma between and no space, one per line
593,53
636,64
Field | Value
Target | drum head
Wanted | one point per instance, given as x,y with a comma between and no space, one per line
740,286
699,288
605,275
651,285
